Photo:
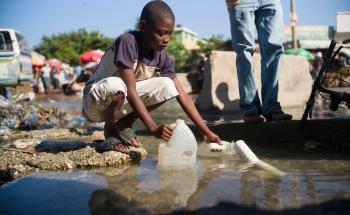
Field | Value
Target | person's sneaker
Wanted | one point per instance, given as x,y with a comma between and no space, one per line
252,117
278,115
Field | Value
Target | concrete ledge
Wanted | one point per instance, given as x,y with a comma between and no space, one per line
322,134
184,82
220,88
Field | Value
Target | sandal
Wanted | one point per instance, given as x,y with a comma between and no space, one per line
126,135
112,144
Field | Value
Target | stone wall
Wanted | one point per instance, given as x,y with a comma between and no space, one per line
184,82
220,88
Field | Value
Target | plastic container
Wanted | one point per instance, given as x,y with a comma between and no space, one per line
244,152
181,149
248,155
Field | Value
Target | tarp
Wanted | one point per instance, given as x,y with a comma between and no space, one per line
55,63
37,59
91,56
300,52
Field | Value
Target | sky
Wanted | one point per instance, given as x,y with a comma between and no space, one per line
36,18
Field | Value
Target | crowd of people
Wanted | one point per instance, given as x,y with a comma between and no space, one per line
60,77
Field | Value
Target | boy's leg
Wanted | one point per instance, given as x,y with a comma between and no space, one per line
109,115
127,122
154,92
102,100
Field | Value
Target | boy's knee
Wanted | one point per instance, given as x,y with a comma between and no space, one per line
107,89
111,90
167,85
119,97
115,85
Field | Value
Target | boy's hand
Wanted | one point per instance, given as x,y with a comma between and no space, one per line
164,131
212,138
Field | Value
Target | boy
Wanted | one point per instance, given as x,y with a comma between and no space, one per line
136,76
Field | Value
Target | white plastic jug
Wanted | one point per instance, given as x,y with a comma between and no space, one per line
181,149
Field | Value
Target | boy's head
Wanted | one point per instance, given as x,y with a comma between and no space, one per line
156,24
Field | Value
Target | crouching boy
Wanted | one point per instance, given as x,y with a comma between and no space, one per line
134,77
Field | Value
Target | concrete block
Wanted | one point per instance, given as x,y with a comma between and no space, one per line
220,87
184,82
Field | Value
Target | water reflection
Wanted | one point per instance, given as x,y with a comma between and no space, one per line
57,193
148,186
145,188
183,182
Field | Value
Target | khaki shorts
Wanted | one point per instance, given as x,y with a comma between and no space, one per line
98,96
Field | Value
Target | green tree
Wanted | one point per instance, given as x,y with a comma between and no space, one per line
186,60
69,46
216,42
179,54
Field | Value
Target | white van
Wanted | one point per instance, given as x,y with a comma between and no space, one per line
15,59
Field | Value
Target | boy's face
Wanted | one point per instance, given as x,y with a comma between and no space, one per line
158,33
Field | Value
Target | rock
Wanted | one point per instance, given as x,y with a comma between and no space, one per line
25,143
28,96
4,132
52,133
70,166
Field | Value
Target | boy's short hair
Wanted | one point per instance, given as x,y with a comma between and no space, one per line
156,10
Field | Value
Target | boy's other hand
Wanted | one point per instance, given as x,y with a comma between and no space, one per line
164,132
212,138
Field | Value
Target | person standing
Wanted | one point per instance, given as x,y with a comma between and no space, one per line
201,68
265,18
46,78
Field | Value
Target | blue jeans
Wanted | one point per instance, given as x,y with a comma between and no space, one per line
264,16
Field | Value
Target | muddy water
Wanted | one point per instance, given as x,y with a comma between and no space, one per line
310,179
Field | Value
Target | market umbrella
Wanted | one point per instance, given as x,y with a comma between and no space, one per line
91,56
55,63
300,52
37,59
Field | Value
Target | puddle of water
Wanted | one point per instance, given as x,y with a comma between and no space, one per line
56,193
310,179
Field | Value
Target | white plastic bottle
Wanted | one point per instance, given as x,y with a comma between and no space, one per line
214,149
181,149
248,155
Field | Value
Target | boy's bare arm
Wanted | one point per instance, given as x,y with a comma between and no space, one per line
127,75
187,105
163,131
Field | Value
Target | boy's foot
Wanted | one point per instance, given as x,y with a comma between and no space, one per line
278,115
112,144
127,136
252,117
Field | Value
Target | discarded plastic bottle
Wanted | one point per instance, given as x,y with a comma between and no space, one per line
181,149
214,149
248,155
